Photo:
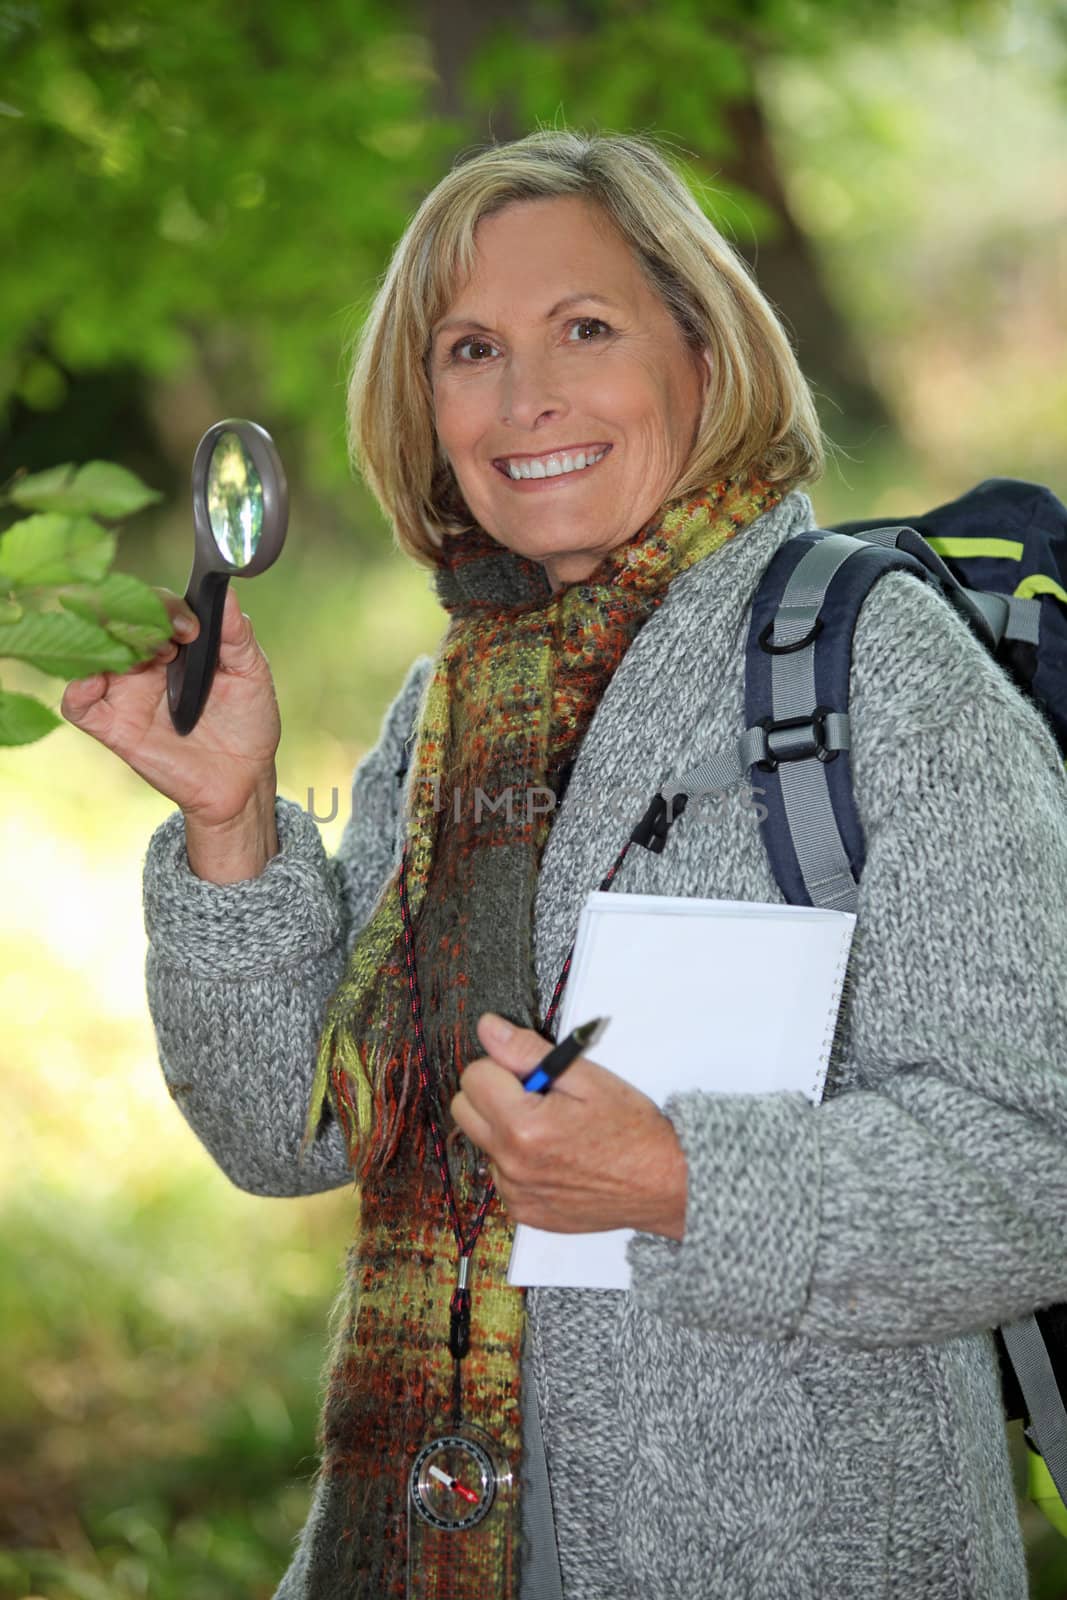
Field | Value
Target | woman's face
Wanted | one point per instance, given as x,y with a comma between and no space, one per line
555,351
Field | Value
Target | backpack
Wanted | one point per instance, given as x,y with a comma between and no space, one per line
999,555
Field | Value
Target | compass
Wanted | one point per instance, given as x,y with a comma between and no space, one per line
454,1481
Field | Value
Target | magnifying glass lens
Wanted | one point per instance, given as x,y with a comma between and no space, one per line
234,500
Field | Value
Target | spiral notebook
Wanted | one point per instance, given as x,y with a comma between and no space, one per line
724,996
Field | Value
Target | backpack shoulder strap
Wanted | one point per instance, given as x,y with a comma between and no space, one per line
797,668
797,673
991,616
1031,1347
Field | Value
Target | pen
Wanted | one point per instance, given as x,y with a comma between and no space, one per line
559,1058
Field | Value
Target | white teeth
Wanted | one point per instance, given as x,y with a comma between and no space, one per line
554,466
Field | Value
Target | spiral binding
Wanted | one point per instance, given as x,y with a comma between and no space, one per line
833,1056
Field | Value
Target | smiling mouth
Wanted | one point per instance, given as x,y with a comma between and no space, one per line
553,464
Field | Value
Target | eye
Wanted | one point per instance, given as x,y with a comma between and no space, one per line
586,330
477,349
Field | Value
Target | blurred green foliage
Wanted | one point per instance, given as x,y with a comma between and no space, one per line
203,183
683,64
159,1442
930,174
212,193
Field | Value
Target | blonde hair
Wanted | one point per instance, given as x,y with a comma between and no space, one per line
759,415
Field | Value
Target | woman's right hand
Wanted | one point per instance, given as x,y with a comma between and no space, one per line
223,771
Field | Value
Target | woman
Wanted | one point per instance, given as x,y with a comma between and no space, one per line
579,412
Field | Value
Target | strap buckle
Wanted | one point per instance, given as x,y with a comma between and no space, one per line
795,739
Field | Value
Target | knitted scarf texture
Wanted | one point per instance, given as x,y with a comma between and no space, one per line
515,684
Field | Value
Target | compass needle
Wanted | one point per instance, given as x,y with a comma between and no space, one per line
454,1484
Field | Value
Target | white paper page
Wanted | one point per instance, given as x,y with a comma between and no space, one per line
717,995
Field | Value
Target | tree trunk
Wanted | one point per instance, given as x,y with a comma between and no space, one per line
456,29
852,409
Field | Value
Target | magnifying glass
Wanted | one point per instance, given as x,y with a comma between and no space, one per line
240,514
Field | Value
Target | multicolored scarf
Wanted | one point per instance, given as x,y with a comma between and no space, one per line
517,679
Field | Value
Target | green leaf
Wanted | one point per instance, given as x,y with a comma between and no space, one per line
52,549
24,719
78,601
109,490
43,491
141,638
64,646
120,598
126,608
10,611
100,487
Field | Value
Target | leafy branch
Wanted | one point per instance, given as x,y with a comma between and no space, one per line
61,608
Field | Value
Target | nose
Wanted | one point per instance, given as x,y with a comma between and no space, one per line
530,394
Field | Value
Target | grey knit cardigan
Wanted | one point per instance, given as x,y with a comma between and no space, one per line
801,1399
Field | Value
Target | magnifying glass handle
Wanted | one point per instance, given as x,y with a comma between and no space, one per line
192,672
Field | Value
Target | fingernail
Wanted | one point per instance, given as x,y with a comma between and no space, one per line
183,624
498,1026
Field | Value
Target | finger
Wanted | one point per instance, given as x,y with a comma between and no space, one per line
597,1088
185,624
494,1092
499,1115
236,634
240,653
164,652
81,695
233,620
478,1130
518,1049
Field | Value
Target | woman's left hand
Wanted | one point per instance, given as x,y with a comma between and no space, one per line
591,1154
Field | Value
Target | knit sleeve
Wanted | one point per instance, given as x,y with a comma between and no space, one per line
238,975
929,1197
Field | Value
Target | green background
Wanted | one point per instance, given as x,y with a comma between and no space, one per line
198,202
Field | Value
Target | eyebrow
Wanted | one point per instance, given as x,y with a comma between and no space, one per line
582,295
